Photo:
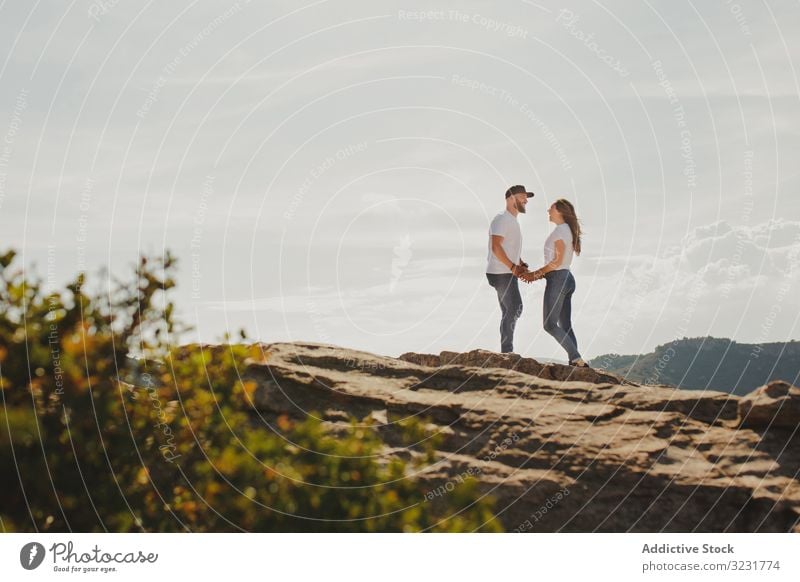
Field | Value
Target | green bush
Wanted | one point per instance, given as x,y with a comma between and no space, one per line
91,443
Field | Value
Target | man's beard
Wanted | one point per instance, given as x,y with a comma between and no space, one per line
521,207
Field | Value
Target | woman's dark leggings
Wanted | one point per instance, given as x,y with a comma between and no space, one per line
558,310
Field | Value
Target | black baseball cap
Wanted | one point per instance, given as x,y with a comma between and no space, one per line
518,189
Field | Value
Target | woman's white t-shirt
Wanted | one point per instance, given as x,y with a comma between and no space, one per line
560,232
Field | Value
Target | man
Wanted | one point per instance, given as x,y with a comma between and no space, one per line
505,262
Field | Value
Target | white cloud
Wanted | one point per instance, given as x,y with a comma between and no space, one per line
722,280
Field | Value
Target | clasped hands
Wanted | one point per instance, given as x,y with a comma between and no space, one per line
521,271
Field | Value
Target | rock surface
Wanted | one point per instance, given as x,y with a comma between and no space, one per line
776,405
559,448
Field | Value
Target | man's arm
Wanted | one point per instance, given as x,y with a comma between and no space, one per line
500,253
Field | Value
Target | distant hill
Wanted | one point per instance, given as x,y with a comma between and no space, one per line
709,363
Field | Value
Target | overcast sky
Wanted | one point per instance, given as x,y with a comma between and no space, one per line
327,171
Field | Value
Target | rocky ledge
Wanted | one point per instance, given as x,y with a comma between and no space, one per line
560,448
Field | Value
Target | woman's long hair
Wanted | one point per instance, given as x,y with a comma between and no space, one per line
568,213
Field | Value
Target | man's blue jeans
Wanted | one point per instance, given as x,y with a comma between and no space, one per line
558,310
507,288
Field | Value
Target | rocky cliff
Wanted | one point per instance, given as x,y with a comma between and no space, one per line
560,448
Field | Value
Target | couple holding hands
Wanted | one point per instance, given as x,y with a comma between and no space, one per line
505,266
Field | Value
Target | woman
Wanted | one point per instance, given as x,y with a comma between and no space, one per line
558,250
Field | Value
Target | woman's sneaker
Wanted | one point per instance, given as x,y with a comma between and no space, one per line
579,363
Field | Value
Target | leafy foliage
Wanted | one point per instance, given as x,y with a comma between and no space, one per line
94,440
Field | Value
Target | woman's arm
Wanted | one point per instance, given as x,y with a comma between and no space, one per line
557,260
560,247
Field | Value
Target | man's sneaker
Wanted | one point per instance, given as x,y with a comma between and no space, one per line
579,363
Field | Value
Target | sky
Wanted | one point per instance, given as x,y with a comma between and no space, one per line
327,171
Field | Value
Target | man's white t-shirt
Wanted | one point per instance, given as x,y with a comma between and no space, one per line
560,232
506,225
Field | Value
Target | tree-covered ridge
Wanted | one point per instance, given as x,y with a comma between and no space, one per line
709,363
